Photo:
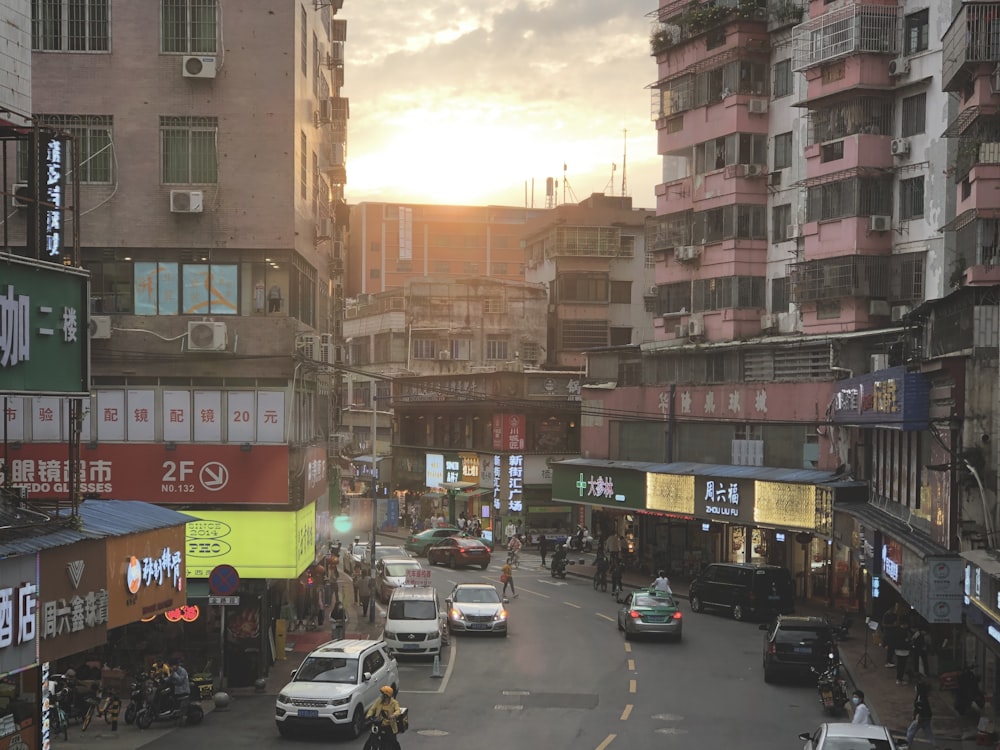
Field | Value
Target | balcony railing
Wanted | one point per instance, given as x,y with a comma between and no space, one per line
782,13
677,22
892,277
972,38
849,30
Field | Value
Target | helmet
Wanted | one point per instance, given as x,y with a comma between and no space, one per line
386,690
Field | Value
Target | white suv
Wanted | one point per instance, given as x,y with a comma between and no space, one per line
335,685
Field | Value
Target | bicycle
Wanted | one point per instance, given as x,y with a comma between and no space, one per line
514,559
58,723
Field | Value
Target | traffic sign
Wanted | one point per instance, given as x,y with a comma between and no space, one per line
223,580
224,601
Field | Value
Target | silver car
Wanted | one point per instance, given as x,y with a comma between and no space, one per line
842,735
390,574
476,608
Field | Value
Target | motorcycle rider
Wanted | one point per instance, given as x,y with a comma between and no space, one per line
182,690
559,558
385,711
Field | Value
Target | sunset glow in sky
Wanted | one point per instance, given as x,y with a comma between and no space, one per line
465,102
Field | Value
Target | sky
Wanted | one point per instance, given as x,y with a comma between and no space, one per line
466,102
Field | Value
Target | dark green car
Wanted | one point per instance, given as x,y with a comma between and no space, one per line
419,543
650,612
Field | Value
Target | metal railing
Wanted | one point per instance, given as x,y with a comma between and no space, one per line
849,30
972,38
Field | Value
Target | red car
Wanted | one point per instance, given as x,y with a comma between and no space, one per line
458,552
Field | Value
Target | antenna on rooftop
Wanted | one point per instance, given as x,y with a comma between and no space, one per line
624,162
567,186
611,183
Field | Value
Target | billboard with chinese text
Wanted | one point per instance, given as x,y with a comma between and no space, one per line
146,575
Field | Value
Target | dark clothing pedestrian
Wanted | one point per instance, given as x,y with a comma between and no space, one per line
919,653
902,653
366,591
543,547
338,620
922,716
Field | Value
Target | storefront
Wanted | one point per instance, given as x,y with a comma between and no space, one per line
20,710
981,607
271,552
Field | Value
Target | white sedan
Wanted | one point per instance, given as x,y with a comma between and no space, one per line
837,736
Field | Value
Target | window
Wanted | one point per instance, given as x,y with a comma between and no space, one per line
827,309
779,294
914,115
578,288
621,292
620,336
162,288
916,26
852,197
187,26
499,269
303,166
715,38
92,135
781,217
303,44
578,335
316,74
496,348
424,349
375,273
70,25
911,198
728,291
782,150
831,151
188,150
675,124
782,78
735,148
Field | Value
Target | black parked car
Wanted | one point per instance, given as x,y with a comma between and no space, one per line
794,646
744,590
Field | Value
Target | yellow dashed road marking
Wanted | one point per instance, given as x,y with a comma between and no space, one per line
627,712
628,648
631,686
607,741
631,665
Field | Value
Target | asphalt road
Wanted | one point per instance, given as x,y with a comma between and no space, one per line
564,678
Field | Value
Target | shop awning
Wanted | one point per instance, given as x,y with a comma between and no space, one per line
983,559
897,528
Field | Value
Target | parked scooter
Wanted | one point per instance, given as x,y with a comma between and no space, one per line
161,705
842,629
832,687
581,541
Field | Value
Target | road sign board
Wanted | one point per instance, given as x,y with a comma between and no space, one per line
224,601
223,580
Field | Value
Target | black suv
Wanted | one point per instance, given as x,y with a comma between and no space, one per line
794,646
744,590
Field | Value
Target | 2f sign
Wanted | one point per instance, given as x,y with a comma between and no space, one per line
178,477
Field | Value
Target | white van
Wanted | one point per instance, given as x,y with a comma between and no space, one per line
414,621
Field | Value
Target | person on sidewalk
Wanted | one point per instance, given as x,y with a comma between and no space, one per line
366,593
338,621
356,583
861,713
922,716
507,576
543,547
918,652
902,654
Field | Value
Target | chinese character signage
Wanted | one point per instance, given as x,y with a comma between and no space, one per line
43,328
145,575
186,475
515,483
508,432
892,560
887,398
578,482
722,499
434,474
452,469
18,613
72,599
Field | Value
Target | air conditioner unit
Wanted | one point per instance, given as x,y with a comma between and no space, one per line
206,336
757,106
899,67
335,57
327,349
793,231
653,291
186,201
696,327
900,146
444,354
879,362
754,170
878,308
879,223
899,312
99,326
680,331
768,322
324,228
197,66
687,252
325,112
309,346
19,195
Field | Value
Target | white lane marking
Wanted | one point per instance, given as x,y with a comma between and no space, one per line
570,604
601,614
671,730
502,707
516,692
667,717
447,672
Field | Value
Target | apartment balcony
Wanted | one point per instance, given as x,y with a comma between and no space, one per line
854,29
693,17
977,237
973,39
783,13
895,278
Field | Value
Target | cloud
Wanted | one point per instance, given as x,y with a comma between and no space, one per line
490,97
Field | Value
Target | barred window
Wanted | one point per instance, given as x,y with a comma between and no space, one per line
911,198
303,166
729,222
424,349
916,31
674,298
92,139
914,115
735,148
582,288
70,26
188,150
584,334
188,26
852,197
728,292
497,348
303,44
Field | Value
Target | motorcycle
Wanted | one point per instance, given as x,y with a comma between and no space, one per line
842,630
832,687
161,705
136,699
558,569
581,541
601,574
380,731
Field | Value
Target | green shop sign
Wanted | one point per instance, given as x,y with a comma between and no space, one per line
599,485
44,339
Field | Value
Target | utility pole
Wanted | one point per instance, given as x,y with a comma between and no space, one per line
371,546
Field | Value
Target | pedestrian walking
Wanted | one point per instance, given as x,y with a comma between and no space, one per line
338,620
543,547
366,591
902,653
356,583
511,530
918,653
861,713
922,716
507,577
